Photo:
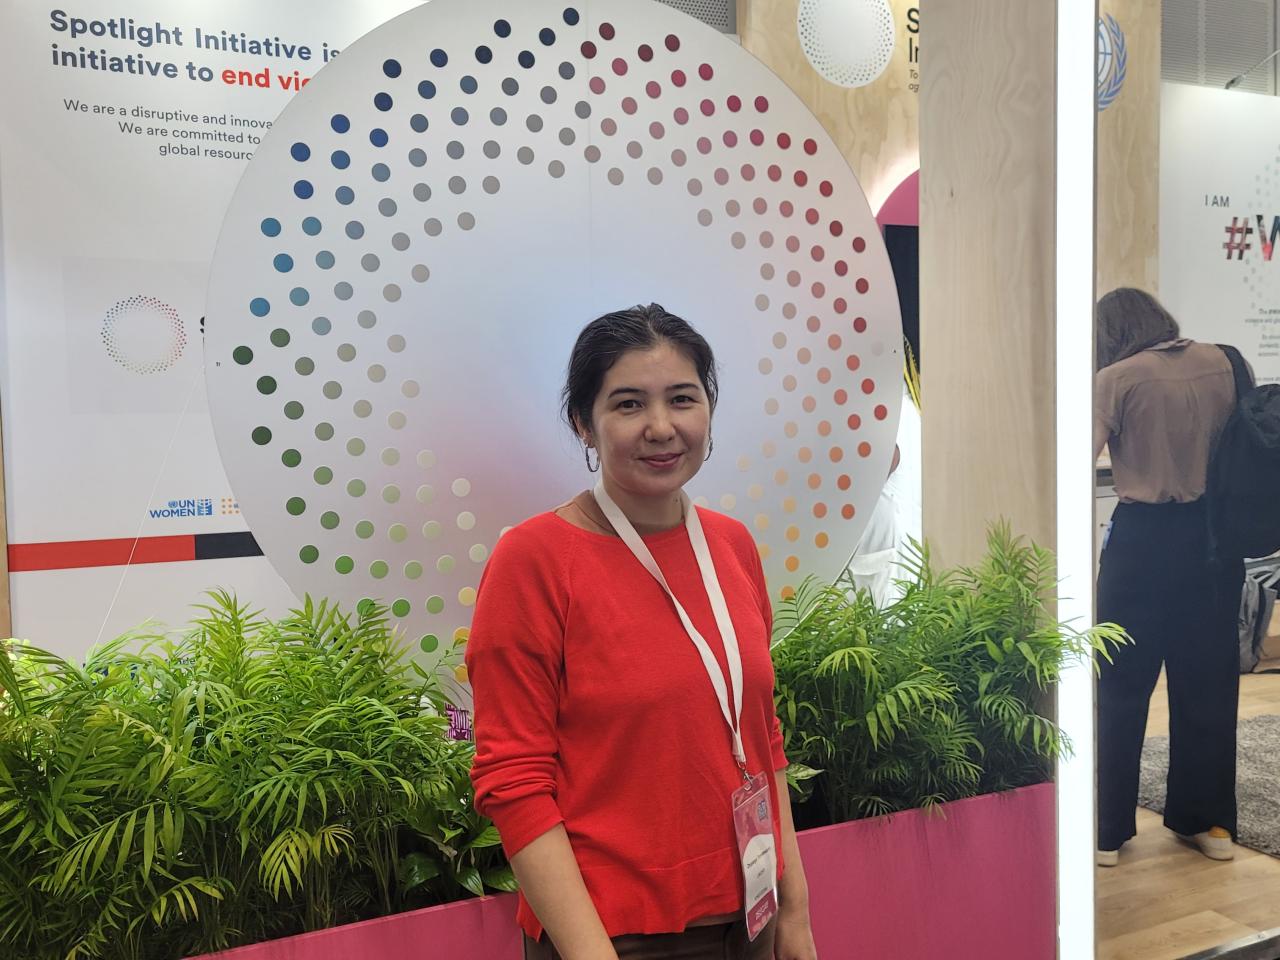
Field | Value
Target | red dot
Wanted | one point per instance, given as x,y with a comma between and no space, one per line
722,176
840,305
653,89
784,140
588,49
859,244
868,386
673,42
656,130
734,103
757,137
811,215
836,454
762,104
628,105
708,108
860,325
862,285
824,375
817,253
759,205
854,421
847,511
793,278
841,268
793,243
730,138
881,411
704,145
853,361
748,172
825,188
801,178
619,66
809,404
837,228
596,84
818,290
819,509
705,71
813,324
606,30
786,208
811,147
864,449
645,52
844,481
834,341
775,172
678,78
681,115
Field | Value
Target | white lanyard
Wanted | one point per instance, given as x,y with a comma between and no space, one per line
693,524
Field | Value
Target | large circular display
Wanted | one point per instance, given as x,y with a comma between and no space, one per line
849,42
429,224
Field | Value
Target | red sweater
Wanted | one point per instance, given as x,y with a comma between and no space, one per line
593,709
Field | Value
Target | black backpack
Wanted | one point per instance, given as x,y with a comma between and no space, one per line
1243,489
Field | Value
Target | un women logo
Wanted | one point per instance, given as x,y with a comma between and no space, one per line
1113,61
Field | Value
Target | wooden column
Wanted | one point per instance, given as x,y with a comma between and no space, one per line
987,271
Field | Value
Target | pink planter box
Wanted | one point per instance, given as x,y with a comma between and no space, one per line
974,881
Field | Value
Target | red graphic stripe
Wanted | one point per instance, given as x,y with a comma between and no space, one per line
74,554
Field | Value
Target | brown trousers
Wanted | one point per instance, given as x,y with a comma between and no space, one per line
724,941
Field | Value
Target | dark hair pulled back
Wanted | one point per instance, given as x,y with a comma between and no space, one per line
1128,322
607,338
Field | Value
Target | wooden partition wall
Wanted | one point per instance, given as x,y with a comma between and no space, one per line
987,271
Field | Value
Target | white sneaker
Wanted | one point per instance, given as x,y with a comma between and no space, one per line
1108,858
1215,843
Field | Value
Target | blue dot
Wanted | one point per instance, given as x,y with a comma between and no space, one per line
300,152
271,227
502,29
321,326
355,229
340,159
299,296
525,59
311,226
459,116
419,123
469,84
259,307
567,71
378,137
484,54
344,195
283,262
438,57
391,68
547,36
382,101
381,172
340,123
426,89
571,16
324,260
303,189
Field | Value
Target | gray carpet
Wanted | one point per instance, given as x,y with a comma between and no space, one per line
1257,781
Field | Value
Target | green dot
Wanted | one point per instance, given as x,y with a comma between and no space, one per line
412,570
432,529
308,554
266,385
261,436
355,446
323,475
291,458
332,389
430,643
324,431
435,604
293,410
344,565
305,366
329,520
378,569
445,564
401,607
355,488
398,532
365,607
280,337
242,355
391,493
364,529
296,506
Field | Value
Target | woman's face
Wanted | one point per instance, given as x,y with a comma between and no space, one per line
650,423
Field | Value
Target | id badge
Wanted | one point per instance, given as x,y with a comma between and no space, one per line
753,822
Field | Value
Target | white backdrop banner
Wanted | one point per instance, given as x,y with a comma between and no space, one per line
125,129
1220,219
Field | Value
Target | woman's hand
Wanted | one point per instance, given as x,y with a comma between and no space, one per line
793,939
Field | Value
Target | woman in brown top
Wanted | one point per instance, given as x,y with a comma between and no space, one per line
1160,403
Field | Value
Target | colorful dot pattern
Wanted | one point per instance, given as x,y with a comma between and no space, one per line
362,203
144,335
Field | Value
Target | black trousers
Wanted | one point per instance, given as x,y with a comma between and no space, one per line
1156,580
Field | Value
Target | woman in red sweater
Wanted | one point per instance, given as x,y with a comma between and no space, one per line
626,741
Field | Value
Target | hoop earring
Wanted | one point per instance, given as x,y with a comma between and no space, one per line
586,455
711,445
